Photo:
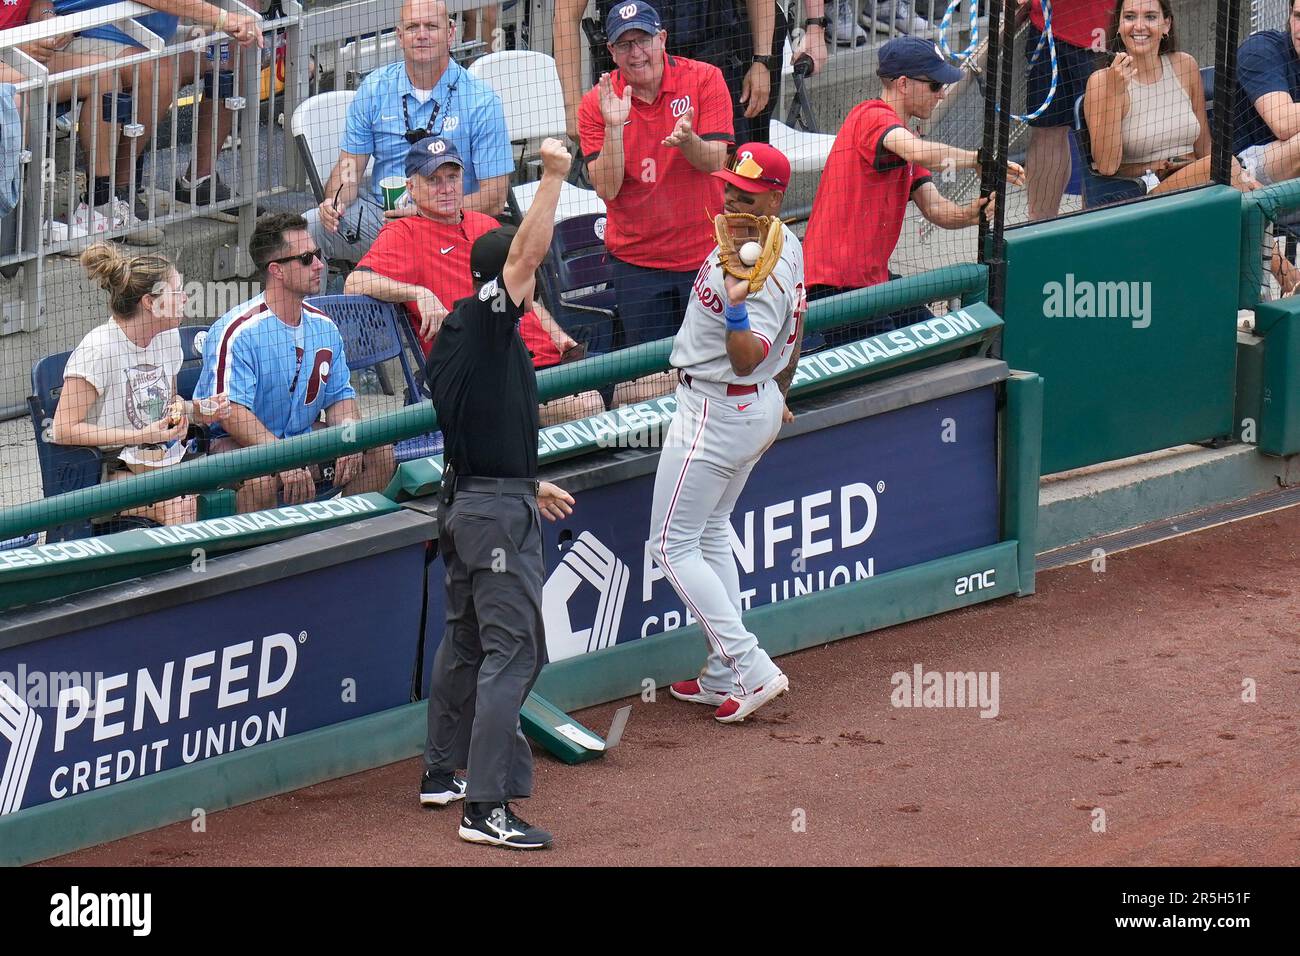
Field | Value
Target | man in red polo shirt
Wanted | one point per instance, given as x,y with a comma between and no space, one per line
1079,28
876,165
423,261
652,132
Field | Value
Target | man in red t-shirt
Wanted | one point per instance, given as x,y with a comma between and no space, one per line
422,260
876,165
651,133
1079,28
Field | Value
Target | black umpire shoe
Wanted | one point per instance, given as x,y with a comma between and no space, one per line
496,825
440,789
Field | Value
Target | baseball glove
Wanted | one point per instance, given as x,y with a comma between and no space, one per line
733,230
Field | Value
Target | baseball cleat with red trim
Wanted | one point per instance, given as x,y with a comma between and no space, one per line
691,692
736,708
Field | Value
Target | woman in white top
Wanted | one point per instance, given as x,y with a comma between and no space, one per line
1146,111
119,386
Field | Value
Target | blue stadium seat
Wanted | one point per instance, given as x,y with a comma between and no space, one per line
371,335
192,364
66,467
578,283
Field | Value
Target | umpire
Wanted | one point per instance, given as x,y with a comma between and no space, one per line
485,393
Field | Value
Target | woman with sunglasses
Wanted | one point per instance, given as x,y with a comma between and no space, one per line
119,386
1146,111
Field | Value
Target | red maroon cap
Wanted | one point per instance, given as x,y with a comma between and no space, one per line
757,168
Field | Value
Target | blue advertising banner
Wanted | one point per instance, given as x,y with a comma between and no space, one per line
821,509
181,684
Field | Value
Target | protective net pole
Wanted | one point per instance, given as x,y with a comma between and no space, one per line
997,135
1225,67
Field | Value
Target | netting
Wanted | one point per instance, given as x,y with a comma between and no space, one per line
280,213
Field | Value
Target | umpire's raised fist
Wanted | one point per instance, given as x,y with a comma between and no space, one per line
555,158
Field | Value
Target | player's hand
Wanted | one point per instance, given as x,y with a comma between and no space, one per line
756,90
556,160
346,468
243,29
298,486
682,133
432,314
330,215
614,108
1015,174
737,289
553,501
1121,71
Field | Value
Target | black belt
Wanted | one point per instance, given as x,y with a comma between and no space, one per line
497,486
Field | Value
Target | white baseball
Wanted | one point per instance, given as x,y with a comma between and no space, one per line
750,252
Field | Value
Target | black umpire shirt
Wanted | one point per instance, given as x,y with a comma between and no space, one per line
484,387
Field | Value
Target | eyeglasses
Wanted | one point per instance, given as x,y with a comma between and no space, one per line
935,85
352,237
625,46
304,258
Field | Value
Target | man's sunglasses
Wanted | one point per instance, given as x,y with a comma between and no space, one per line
304,258
935,85
349,237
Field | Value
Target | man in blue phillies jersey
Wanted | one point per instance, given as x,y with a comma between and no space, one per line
282,364
425,93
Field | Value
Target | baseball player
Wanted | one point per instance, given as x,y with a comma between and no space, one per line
735,355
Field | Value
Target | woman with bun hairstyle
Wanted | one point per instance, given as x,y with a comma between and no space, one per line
1146,110
119,386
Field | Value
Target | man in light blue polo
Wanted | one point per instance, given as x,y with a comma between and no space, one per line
426,94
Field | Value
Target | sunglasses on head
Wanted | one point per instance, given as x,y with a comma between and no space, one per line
304,258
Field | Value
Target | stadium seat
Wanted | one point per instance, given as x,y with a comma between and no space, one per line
187,378
533,100
577,283
799,137
66,467
372,335
1099,190
317,128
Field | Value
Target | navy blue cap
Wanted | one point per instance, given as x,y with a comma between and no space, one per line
633,15
430,153
916,59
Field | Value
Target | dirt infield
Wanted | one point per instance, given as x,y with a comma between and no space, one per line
1120,690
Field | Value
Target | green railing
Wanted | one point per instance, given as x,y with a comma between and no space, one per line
1263,205
967,282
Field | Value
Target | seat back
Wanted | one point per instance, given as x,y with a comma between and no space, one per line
371,334
578,281
529,86
317,127
192,338
63,467
1099,190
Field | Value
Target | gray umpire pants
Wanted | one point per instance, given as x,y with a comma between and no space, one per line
493,647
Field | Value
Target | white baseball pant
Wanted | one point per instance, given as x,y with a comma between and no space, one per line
711,447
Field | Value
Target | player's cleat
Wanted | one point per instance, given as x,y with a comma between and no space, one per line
735,709
440,789
691,692
497,825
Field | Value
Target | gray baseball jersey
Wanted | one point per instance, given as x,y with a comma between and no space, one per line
700,347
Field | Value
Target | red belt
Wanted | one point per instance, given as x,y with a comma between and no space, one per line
731,389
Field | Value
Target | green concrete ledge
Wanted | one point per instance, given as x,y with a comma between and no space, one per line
304,759
1080,505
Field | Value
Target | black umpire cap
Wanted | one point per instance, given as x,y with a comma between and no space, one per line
488,255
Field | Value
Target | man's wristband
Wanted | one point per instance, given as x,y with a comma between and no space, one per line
737,317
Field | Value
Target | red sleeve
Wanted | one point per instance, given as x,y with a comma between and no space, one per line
713,119
591,124
393,254
873,123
